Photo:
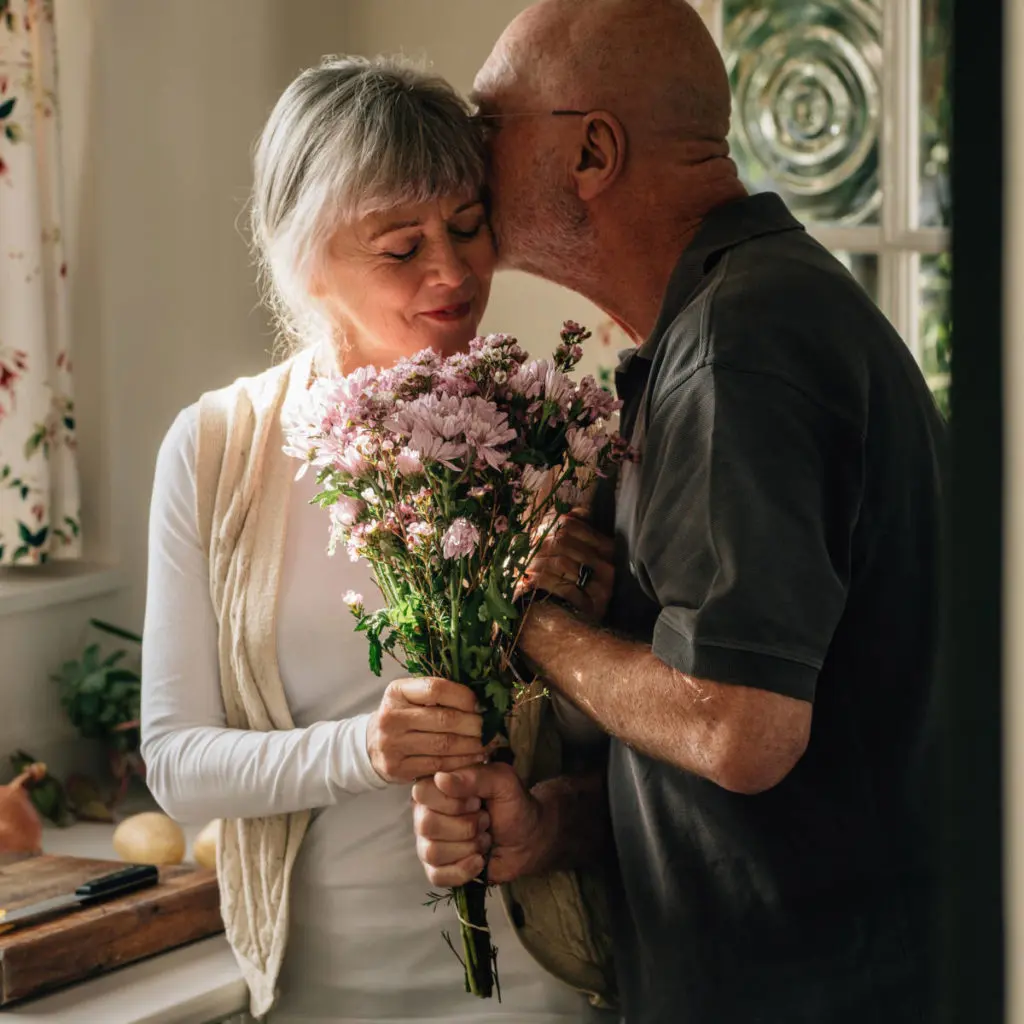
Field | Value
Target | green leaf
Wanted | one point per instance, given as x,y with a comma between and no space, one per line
35,441
499,695
33,540
375,656
94,682
528,457
118,631
502,611
7,107
122,675
91,658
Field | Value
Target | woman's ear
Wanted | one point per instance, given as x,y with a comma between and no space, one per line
600,155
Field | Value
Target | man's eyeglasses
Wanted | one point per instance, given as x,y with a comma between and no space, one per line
493,121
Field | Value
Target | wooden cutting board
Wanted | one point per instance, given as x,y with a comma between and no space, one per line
182,907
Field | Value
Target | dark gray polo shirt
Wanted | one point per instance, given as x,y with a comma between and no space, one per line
781,531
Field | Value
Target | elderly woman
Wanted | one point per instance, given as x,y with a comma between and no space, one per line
258,706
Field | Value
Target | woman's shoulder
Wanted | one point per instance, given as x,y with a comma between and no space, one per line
258,387
176,456
178,449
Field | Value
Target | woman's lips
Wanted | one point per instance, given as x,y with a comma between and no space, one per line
449,314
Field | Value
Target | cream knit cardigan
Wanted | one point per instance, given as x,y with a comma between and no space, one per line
242,481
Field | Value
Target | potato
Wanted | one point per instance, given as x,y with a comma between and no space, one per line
204,848
150,838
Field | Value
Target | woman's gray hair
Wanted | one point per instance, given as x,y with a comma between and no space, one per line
349,137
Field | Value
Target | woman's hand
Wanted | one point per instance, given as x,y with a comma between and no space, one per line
575,563
424,726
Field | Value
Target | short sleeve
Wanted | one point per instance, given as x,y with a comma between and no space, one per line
750,494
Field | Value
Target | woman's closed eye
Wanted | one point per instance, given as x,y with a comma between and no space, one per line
464,233
404,257
461,233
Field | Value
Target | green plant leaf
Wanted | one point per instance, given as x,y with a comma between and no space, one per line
122,675
375,656
499,695
502,611
91,658
94,682
117,631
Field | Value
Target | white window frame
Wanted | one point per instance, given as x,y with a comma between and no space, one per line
898,240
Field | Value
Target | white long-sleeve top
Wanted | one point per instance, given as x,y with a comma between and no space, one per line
361,946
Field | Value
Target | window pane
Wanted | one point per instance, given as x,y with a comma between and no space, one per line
806,79
936,325
864,267
936,20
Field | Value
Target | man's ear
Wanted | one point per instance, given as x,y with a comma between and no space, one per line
600,155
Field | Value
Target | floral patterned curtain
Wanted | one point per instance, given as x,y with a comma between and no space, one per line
39,498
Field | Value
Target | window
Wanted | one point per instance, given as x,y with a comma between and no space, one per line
842,106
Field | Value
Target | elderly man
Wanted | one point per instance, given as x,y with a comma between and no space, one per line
765,661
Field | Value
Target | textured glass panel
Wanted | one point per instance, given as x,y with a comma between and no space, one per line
864,267
936,24
936,325
806,79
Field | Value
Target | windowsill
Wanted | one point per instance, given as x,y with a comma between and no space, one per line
29,588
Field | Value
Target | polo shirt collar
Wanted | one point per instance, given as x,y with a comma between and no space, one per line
722,229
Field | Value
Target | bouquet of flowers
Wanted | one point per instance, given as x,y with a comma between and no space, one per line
445,475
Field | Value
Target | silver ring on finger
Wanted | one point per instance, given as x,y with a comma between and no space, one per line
584,575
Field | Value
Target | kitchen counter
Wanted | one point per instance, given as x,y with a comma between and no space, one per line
194,984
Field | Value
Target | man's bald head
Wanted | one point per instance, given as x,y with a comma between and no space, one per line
610,190
653,62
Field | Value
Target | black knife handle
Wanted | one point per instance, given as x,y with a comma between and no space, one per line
137,876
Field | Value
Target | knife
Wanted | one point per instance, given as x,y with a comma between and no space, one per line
119,883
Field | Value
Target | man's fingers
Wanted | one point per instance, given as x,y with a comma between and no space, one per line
439,853
431,691
462,828
426,794
488,782
582,533
453,875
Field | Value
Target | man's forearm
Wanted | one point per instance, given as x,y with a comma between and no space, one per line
741,738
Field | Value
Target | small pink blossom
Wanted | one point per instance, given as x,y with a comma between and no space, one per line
350,460
501,524
418,533
408,462
538,482
460,539
345,511
353,600
585,445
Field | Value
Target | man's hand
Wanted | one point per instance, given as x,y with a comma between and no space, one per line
424,726
453,832
573,543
